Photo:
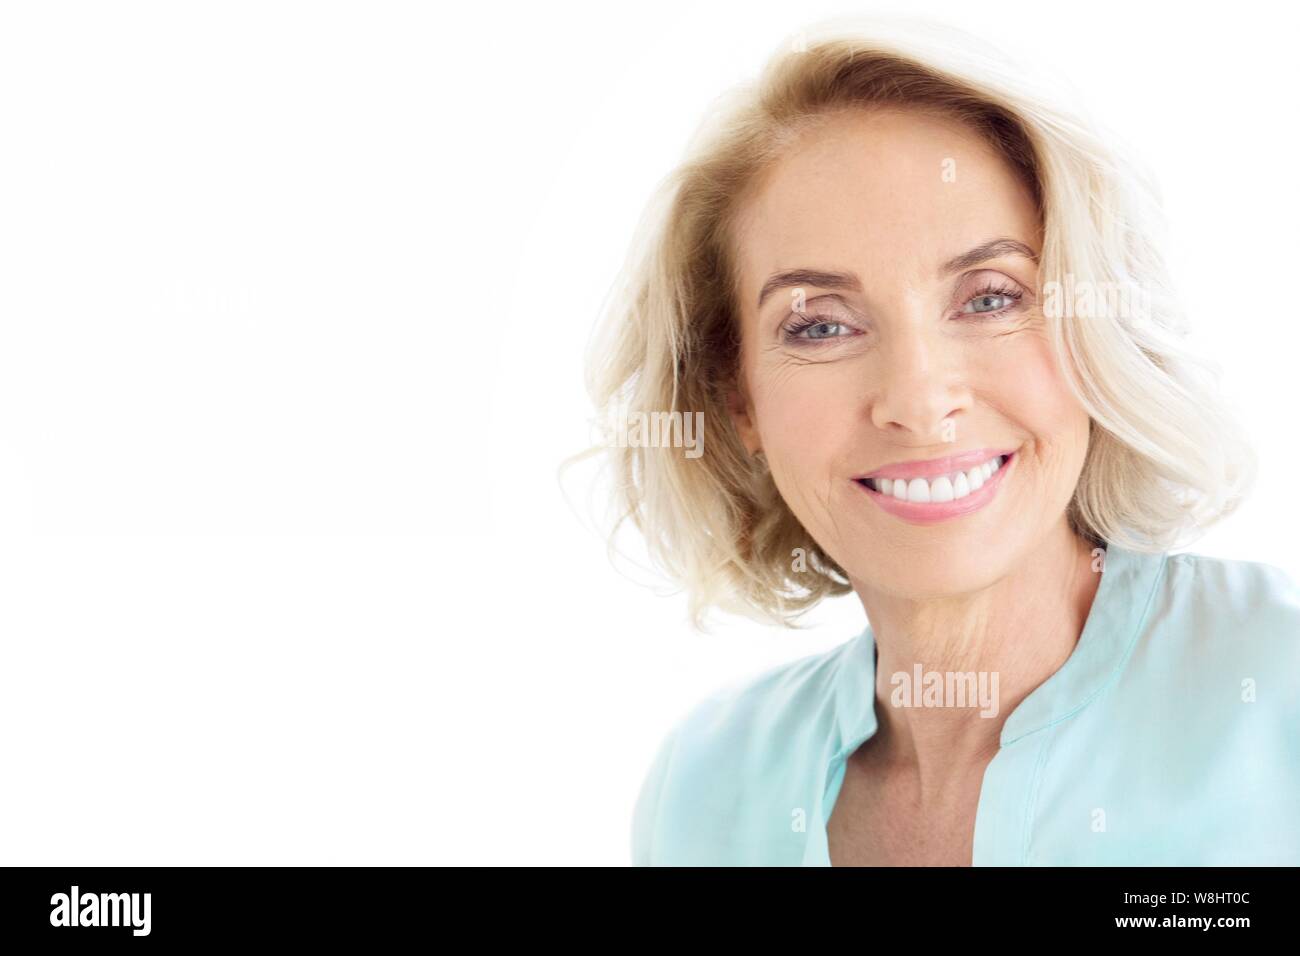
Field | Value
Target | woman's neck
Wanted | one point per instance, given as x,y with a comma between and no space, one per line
1009,637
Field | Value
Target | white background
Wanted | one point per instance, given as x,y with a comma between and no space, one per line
293,301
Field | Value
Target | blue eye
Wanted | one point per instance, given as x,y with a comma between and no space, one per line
817,329
991,301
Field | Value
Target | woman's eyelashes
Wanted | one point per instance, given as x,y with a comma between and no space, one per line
990,299
987,298
813,328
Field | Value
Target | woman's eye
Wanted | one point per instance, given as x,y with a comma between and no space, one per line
814,329
987,302
823,330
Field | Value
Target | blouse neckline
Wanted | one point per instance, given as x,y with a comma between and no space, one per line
1109,634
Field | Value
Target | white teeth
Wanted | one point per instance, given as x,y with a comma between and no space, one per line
961,487
943,488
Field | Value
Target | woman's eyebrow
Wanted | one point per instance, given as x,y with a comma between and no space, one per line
993,249
796,277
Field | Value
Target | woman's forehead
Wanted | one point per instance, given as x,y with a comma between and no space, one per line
881,194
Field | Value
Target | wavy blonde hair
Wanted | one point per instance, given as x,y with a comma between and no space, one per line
1165,458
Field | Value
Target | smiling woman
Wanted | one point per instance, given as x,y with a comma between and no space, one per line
852,277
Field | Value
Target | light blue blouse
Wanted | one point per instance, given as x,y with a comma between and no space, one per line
1170,736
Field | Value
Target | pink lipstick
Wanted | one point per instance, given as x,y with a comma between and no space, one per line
946,487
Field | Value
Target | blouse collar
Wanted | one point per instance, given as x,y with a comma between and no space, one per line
1119,607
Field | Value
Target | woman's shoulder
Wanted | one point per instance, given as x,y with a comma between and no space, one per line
1235,602
1202,722
788,692
1233,619
1251,581
746,737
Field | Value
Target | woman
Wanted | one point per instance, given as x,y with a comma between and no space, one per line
919,313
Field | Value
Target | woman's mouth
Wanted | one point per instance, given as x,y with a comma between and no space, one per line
922,500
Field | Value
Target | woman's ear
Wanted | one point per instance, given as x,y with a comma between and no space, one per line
741,411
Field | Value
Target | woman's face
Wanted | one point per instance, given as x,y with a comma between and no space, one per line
926,343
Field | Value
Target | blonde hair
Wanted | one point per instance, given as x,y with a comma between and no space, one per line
1165,458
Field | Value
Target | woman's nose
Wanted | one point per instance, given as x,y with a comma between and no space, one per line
921,385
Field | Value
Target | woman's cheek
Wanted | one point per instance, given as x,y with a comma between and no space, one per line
1030,386
804,424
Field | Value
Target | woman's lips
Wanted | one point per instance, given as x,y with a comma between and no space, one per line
934,467
928,512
